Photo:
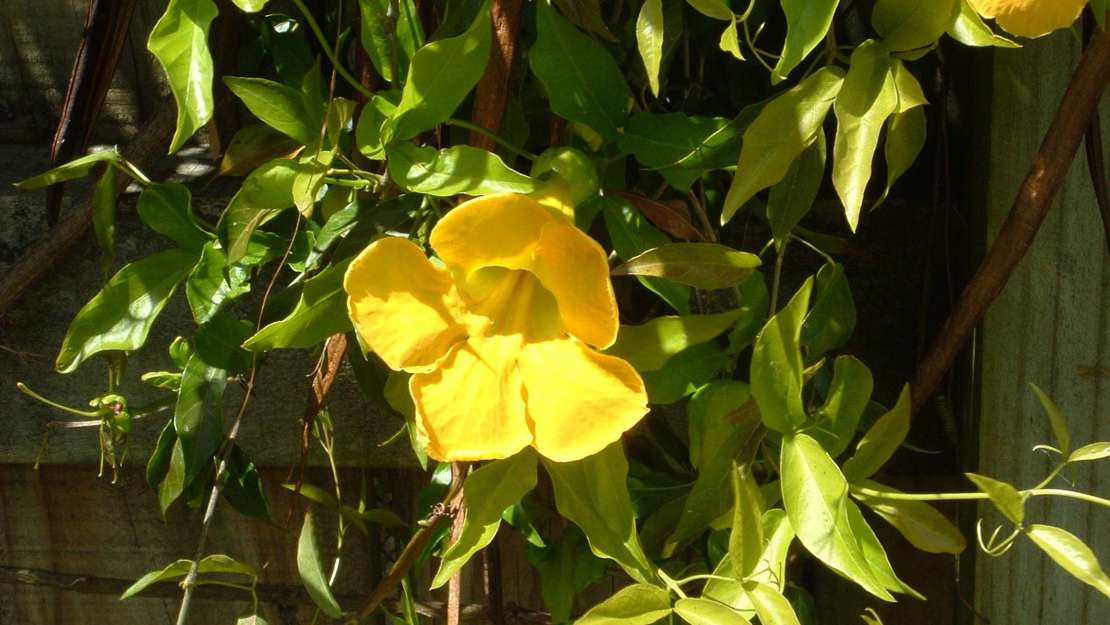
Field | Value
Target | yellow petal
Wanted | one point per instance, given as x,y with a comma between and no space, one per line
1030,18
579,401
511,301
496,230
401,305
472,405
574,268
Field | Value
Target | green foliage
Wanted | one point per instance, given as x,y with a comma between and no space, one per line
179,41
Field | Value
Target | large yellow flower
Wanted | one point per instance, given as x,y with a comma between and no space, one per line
499,341
1030,18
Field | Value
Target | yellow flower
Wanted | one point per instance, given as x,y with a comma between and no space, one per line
499,342
1030,18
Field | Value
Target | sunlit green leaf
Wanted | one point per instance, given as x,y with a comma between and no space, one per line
771,605
807,22
252,146
213,282
678,140
1009,501
745,541
700,265
281,107
698,611
1055,419
250,6
649,40
631,234
198,414
921,524
175,570
77,168
875,554
792,197
368,130
179,40
266,192
166,208
638,604
717,9
649,346
1093,451
910,24
320,312
311,569
905,138
1072,554
451,171
832,318
969,29
730,40
776,370
881,440
848,396
104,216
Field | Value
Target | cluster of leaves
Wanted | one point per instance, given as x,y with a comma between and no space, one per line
656,123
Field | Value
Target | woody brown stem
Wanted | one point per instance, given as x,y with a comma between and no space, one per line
491,97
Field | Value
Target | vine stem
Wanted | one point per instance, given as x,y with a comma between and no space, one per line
1033,492
777,279
462,123
332,56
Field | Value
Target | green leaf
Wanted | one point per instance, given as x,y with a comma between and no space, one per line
675,140
253,145
266,192
253,619
685,373
868,98
583,82
849,394
311,569
700,265
441,75
159,461
198,415
638,604
814,493
717,9
832,319
487,492
881,441
377,39
905,137
649,346
451,171
119,317
320,312
911,24
921,524
243,487
631,234
698,611
173,483
371,121
730,40
649,40
776,369
77,168
1009,501
166,208
1072,554
104,216
250,6
566,568
713,414
784,128
771,605
874,553
745,541
807,22
175,570
1093,451
179,40
969,29
1056,420
593,494
220,563
754,301
283,108
792,197
213,282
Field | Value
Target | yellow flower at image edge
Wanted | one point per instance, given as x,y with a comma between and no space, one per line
1030,18
501,343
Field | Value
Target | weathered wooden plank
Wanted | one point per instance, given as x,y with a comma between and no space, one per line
1050,328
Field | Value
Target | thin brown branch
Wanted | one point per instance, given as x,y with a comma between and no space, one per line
1034,199
454,585
335,349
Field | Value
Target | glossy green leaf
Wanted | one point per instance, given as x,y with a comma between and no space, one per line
451,171
848,396
221,563
119,317
649,346
583,82
281,107
730,40
104,216
638,604
440,76
213,282
1093,451
179,40
874,553
159,461
685,373
905,138
868,98
910,24
320,312
745,540
649,40
771,605
487,492
593,494
700,265
266,192
881,441
815,493
243,487
311,569
969,29
173,482
784,128
1055,419
77,168
1009,501
776,369
573,167
791,198
807,23
172,571
371,121
166,208
832,318
699,611
1071,553
388,41
631,234
198,414
717,9
676,140
921,524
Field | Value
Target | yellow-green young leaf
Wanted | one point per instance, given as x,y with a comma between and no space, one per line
1072,554
909,90
440,76
1055,419
311,569
874,553
717,9
220,563
368,129
649,40
730,40
266,192
119,317
454,170
1009,501
969,29
577,173
593,494
700,265
745,541
905,137
175,570
776,369
487,492
849,394
832,318
179,40
910,24
281,107
921,524
772,607
778,535
583,82
881,441
814,493
649,346
807,22
698,611
786,126
868,98
1093,451
250,6
253,619
77,168
793,196
638,604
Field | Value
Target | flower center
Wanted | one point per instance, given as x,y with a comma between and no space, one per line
514,302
